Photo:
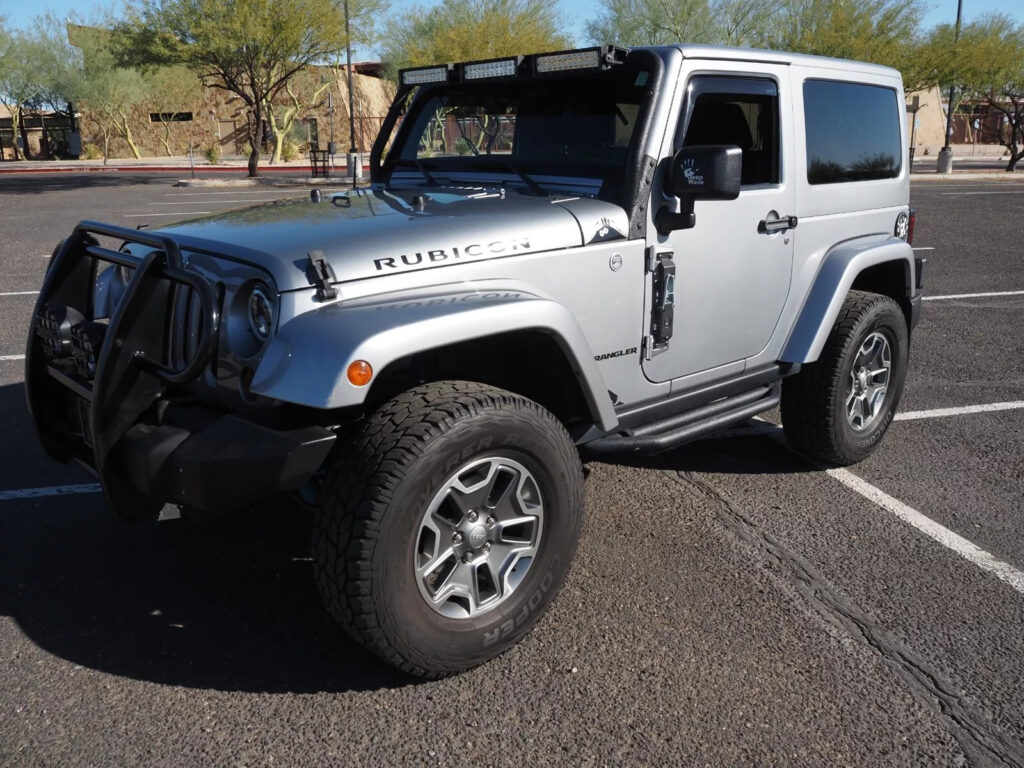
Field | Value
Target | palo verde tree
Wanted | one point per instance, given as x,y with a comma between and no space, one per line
988,66
22,74
881,31
654,22
251,48
305,91
173,93
460,30
111,93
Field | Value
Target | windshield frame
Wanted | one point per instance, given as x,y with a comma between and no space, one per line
488,170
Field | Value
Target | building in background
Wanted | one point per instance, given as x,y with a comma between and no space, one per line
179,112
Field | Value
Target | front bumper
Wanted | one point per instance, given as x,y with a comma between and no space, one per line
219,463
107,392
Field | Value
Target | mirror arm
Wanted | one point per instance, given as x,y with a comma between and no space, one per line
666,220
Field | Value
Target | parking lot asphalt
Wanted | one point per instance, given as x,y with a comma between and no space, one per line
731,604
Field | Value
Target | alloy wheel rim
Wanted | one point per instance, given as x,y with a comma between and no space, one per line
478,537
869,381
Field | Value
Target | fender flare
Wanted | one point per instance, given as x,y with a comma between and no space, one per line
839,268
306,361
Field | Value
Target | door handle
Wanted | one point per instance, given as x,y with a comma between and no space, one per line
773,223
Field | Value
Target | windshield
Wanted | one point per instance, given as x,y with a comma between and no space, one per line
574,130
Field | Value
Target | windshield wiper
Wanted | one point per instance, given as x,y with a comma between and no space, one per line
536,188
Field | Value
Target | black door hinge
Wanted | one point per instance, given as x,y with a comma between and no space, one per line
322,276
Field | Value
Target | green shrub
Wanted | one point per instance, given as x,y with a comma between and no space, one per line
289,151
212,153
461,146
91,152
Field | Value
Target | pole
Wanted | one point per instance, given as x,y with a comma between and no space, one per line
353,158
945,161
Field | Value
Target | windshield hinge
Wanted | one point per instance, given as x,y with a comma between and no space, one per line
322,276
651,258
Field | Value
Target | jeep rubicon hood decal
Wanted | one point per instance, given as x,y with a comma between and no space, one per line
367,233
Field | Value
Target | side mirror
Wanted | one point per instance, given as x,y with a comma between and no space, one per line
706,173
700,173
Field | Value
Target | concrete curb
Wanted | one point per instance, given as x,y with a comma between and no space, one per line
968,175
263,181
340,172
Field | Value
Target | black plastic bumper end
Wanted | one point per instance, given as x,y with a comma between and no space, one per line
227,464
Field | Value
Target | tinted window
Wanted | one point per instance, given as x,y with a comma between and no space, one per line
747,120
853,132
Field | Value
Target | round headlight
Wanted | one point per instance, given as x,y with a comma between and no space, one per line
261,311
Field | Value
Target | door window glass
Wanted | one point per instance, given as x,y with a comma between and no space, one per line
747,117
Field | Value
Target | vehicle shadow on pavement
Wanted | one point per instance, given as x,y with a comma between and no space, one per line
740,455
230,605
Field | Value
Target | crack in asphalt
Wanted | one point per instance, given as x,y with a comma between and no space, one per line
978,736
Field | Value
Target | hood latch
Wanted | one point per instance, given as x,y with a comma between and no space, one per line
322,276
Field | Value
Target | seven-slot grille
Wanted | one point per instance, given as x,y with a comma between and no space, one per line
186,329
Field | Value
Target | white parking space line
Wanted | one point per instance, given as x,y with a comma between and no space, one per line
19,293
176,213
213,202
952,541
935,531
53,490
233,192
938,413
973,295
925,248
8,358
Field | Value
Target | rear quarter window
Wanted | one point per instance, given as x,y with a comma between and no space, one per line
853,132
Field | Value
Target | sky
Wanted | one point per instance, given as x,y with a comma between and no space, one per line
577,13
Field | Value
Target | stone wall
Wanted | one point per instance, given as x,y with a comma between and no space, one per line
210,117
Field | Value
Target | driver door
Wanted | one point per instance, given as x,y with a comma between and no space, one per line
733,268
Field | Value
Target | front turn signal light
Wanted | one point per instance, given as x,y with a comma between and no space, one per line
359,373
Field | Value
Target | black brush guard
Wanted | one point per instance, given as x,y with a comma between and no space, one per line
119,422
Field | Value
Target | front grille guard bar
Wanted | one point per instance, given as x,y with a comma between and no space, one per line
174,270
131,372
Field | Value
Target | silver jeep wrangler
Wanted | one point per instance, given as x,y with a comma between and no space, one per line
587,253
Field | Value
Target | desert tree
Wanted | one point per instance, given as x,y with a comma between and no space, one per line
250,48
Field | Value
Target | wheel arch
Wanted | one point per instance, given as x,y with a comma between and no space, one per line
877,264
432,337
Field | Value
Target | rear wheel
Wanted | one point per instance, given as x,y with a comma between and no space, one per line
838,408
448,525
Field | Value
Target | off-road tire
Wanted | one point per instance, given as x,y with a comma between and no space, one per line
365,529
813,400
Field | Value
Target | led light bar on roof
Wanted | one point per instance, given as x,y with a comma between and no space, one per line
426,75
561,62
484,69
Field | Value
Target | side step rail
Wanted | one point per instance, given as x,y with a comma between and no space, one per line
681,428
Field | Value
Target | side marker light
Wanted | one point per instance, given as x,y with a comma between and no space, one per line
359,373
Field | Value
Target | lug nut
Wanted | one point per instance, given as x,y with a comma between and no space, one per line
467,558
487,547
491,522
457,538
472,515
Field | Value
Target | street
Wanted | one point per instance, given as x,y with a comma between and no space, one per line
730,603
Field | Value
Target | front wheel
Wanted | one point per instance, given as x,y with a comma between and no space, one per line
448,525
837,408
